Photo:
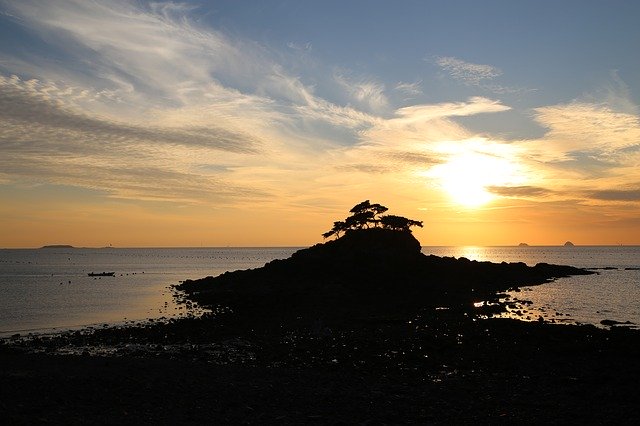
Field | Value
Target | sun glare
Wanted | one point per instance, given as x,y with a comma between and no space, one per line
467,177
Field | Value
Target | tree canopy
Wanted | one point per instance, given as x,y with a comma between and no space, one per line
365,215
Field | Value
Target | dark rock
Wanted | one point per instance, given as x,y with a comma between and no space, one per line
609,322
365,272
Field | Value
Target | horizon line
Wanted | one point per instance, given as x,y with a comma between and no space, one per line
69,246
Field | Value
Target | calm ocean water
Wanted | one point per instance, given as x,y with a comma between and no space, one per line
47,289
42,289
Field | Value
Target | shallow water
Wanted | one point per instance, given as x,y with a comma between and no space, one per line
611,294
43,289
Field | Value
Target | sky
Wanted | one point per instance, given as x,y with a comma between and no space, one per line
259,123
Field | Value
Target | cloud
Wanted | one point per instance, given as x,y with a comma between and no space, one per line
29,108
413,135
410,90
615,194
474,105
45,139
383,160
364,168
364,92
476,75
468,73
300,47
151,90
152,56
420,138
208,118
615,94
413,158
519,191
580,126
590,152
155,63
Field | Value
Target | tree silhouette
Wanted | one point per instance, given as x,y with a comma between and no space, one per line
366,215
338,227
399,223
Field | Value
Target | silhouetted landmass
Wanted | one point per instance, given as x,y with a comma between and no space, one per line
568,244
366,272
55,246
523,245
613,322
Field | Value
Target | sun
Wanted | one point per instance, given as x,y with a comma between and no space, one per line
468,176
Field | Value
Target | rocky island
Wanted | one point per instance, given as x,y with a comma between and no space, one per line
362,328
368,272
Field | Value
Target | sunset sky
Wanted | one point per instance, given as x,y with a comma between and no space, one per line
259,123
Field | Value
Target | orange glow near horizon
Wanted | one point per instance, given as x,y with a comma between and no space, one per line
131,225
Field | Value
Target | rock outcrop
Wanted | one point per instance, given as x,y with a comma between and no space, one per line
365,272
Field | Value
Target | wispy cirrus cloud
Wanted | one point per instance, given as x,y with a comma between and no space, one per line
303,47
474,105
410,90
475,75
582,126
366,93
161,93
44,139
30,107
467,72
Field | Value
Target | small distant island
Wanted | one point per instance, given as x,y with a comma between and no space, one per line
569,244
523,245
57,246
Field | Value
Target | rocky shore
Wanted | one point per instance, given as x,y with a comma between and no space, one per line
363,329
366,273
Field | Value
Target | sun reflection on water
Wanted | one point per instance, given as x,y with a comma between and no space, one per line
473,253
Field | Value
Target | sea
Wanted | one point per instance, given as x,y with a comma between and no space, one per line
49,290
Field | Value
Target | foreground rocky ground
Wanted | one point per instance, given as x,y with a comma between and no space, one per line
361,330
443,367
